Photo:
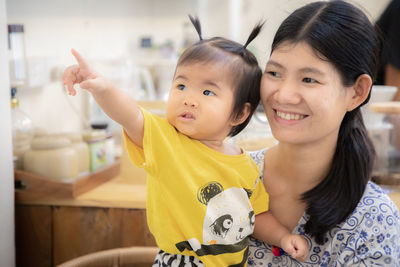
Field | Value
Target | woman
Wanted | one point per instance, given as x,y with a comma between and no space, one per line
322,65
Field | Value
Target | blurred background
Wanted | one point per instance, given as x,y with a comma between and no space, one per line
124,40
136,44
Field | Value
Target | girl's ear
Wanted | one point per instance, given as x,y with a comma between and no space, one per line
243,115
360,89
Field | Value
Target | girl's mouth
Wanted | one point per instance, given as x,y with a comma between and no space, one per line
187,116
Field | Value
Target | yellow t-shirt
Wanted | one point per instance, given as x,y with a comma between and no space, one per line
197,198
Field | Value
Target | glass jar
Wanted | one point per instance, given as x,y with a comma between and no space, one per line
53,158
82,150
22,130
97,148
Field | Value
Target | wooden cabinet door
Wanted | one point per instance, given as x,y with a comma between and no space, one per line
33,236
47,236
79,230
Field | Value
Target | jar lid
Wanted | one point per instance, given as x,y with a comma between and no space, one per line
49,142
74,137
95,135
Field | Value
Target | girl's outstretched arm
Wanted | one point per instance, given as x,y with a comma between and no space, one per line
117,104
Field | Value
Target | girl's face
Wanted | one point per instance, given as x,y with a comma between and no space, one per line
303,95
200,101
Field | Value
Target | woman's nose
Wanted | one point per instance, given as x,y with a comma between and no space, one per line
287,93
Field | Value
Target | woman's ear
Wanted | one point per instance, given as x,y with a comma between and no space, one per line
243,115
361,89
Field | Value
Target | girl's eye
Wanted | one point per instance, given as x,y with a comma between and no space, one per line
181,87
208,92
309,80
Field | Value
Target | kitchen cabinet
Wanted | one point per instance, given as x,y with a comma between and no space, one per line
49,232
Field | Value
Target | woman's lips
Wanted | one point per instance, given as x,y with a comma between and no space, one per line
289,116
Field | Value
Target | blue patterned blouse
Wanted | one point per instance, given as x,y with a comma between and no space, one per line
369,237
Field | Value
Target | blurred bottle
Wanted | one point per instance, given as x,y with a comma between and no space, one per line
16,46
22,130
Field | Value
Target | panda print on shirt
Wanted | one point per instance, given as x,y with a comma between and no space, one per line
228,221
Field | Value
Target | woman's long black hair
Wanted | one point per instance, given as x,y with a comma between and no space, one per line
341,34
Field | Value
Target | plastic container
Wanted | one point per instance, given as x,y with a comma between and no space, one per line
97,148
109,144
380,136
385,134
53,158
82,150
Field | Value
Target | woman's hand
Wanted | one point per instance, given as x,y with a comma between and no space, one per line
296,246
83,75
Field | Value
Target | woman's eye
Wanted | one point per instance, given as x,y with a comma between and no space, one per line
181,87
309,80
208,92
273,74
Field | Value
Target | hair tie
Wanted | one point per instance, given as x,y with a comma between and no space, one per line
254,33
242,50
196,23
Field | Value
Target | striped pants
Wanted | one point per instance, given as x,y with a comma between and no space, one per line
164,259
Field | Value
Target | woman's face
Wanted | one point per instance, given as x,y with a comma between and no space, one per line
303,95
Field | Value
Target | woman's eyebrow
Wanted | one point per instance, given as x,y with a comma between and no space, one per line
302,70
312,71
274,63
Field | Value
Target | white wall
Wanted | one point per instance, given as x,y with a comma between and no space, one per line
101,30
7,244
109,30
274,12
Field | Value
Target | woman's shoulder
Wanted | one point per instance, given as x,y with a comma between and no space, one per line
376,199
371,234
375,212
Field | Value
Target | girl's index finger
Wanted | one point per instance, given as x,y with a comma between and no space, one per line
81,61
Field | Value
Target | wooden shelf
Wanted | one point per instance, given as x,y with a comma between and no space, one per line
31,186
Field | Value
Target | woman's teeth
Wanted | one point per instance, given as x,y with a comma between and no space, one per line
289,116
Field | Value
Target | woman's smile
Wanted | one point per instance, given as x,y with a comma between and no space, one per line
289,116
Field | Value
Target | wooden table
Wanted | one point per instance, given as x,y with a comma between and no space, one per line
395,196
52,231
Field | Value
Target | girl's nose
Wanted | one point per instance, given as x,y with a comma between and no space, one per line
190,102
287,93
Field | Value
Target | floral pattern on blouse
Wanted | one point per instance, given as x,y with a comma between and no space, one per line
368,237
